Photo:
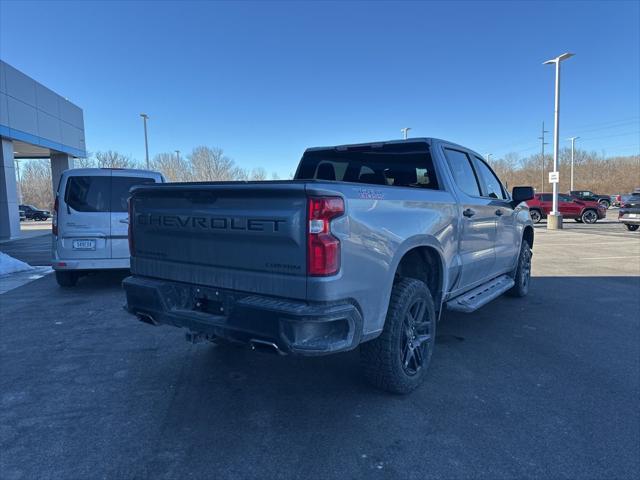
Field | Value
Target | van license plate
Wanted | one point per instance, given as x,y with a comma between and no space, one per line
84,244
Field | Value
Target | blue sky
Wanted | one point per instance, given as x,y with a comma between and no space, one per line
265,80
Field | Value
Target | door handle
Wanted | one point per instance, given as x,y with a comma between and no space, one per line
469,213
124,220
499,212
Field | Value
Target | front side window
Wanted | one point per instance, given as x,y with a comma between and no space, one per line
463,173
491,186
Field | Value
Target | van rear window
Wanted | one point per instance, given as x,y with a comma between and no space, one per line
100,194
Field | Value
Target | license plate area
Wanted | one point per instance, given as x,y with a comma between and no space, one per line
84,244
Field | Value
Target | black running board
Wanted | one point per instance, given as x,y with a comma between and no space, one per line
480,296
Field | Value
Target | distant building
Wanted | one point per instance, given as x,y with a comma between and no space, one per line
35,122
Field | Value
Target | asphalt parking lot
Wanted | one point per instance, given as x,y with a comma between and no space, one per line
547,387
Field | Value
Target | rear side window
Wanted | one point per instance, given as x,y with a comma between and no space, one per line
401,165
463,173
100,193
491,186
88,194
120,190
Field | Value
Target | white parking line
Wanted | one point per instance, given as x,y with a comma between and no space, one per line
637,257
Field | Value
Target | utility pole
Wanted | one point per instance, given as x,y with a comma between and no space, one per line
145,117
573,144
19,182
405,132
554,219
543,144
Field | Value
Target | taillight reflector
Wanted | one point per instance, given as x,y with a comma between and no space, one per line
323,249
130,228
54,220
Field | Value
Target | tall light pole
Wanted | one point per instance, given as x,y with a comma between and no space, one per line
573,144
554,219
489,155
145,117
178,155
543,144
405,132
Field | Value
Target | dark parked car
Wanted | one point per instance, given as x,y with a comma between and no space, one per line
588,195
33,213
582,211
629,213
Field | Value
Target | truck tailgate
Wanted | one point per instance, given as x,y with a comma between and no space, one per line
248,237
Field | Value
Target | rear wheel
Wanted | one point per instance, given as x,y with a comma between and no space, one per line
522,274
66,279
631,228
605,203
397,360
589,216
536,216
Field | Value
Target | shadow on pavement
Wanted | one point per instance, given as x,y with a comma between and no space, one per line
519,388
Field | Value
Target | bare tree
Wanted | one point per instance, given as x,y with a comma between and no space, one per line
211,164
174,169
258,173
35,184
113,159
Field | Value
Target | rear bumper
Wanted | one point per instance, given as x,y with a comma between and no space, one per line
90,264
296,327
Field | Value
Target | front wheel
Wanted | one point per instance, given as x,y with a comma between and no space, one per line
631,228
522,274
536,216
605,203
398,359
589,216
66,279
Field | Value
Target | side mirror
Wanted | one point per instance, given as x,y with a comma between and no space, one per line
521,194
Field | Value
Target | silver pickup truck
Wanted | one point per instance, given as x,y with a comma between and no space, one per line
365,247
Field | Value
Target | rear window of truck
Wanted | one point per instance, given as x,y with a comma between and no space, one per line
100,193
400,165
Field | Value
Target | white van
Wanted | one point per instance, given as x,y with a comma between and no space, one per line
90,220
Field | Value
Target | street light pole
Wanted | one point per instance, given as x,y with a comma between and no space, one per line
405,132
178,155
573,143
145,117
554,219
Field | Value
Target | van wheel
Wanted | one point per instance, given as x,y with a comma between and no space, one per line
522,274
398,359
66,279
630,227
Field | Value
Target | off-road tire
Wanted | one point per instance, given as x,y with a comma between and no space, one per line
66,279
522,273
382,358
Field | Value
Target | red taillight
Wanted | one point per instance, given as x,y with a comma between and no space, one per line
323,249
130,228
54,219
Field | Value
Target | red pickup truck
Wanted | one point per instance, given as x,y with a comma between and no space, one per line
583,211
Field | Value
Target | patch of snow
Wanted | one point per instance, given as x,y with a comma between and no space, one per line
11,265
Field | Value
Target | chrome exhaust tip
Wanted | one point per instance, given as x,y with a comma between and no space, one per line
265,346
146,318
